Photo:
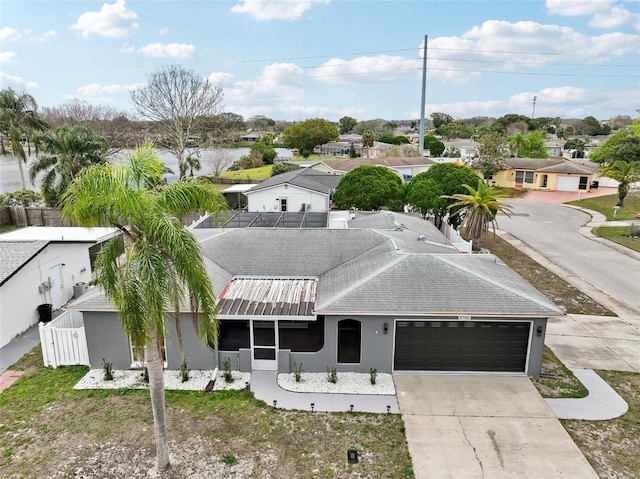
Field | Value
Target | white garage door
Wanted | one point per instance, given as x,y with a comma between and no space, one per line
567,183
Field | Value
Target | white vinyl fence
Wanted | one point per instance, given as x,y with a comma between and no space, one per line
452,235
63,341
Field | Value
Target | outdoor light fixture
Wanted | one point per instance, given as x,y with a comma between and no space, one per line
539,331
312,406
350,407
388,409
275,401
385,328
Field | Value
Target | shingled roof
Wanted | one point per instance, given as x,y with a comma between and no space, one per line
306,178
399,265
16,254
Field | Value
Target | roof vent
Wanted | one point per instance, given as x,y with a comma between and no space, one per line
422,238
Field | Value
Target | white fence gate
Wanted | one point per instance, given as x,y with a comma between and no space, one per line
63,341
452,235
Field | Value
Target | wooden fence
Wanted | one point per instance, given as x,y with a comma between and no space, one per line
63,341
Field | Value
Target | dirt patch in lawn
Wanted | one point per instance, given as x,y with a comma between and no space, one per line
561,293
50,430
612,446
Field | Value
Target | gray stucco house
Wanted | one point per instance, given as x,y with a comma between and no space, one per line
388,292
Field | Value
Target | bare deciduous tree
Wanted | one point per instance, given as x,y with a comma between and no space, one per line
179,102
104,120
217,160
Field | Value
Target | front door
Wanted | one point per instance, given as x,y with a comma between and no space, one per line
264,346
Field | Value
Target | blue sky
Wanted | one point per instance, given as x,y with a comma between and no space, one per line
299,59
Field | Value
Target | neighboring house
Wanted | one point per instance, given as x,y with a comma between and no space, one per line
41,265
468,148
552,174
389,293
300,190
235,195
251,137
554,148
405,167
342,148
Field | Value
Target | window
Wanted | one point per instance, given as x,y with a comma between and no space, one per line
524,176
233,335
283,204
301,336
583,183
137,355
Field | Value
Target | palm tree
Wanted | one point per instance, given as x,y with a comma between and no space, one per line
68,150
368,137
479,209
157,261
625,173
18,117
192,162
518,141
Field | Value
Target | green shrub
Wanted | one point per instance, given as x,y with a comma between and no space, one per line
297,371
332,375
107,368
373,375
226,370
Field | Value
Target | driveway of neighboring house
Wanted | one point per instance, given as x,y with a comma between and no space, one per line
558,197
466,426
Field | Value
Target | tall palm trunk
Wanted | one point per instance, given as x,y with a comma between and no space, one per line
155,366
23,182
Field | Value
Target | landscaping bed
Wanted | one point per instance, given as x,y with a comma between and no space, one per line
620,235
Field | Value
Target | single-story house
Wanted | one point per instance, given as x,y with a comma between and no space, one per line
552,174
468,148
299,190
389,292
405,167
42,265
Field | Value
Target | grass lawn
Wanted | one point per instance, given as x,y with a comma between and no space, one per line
604,205
561,293
612,446
261,173
556,381
48,427
618,234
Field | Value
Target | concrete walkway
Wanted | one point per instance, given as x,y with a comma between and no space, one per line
18,347
264,385
601,403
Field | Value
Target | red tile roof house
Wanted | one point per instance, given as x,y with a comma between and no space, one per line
389,292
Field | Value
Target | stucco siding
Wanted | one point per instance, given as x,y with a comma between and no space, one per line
20,297
268,199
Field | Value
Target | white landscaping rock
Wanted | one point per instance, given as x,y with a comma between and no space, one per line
348,383
134,379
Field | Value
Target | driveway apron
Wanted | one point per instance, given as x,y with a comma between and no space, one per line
465,426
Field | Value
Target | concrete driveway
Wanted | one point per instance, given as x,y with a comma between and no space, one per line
495,427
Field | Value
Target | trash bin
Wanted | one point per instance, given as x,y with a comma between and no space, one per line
595,184
44,311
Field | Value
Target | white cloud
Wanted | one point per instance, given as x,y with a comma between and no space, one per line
164,30
603,13
45,36
279,85
16,81
113,20
5,57
8,33
220,78
276,9
379,69
127,48
180,51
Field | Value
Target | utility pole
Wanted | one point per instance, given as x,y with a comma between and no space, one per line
424,92
533,112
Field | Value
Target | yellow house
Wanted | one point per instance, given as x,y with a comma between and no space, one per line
551,174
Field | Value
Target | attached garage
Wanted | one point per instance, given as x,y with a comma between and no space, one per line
572,183
461,346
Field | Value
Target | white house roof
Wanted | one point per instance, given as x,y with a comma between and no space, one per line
240,188
71,234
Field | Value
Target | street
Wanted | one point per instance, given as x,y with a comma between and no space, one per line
552,230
